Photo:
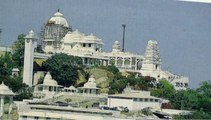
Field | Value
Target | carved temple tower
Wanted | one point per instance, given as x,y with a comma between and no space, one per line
151,60
55,29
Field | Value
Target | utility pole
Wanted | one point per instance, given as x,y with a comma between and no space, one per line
123,39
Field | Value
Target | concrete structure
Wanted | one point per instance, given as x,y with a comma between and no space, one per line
133,100
70,89
90,87
5,91
28,111
180,83
30,45
60,38
15,72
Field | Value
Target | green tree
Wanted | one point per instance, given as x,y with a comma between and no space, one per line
140,83
164,89
199,101
204,92
205,88
17,86
117,86
63,68
184,99
18,51
113,69
6,64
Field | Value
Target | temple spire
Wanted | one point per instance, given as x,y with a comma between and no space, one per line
152,60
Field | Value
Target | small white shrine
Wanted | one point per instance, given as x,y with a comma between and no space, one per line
90,87
15,72
5,91
49,87
70,89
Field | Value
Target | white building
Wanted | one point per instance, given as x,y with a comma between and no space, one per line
133,100
60,38
28,111
49,87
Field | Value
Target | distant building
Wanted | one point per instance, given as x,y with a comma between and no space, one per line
134,100
3,50
59,37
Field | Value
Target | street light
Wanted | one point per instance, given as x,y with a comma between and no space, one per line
123,38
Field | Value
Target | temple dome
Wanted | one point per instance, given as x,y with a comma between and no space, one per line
59,19
116,47
49,81
4,90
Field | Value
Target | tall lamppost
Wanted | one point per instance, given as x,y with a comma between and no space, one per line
123,38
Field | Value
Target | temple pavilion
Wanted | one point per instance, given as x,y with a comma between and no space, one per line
49,87
90,86
5,91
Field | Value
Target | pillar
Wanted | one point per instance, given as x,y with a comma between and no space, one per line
136,64
30,44
2,106
10,104
131,63
123,62
115,61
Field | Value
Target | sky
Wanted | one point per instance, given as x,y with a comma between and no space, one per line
182,28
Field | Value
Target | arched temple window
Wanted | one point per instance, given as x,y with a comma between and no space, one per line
119,62
111,61
127,62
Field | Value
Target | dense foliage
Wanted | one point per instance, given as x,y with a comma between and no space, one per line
8,61
196,100
163,90
6,65
63,68
18,51
18,87
112,69
138,83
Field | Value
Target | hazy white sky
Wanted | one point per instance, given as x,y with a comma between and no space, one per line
201,1
182,29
